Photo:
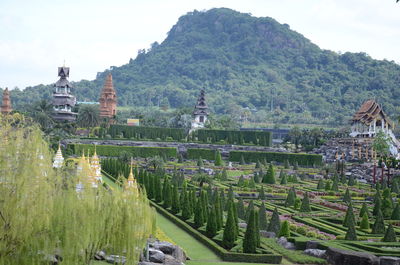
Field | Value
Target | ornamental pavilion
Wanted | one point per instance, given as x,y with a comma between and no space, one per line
200,113
63,101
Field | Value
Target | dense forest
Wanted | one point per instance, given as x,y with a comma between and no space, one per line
253,68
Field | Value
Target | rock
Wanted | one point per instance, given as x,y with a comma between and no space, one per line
100,255
319,253
166,247
345,257
179,254
286,244
170,260
242,225
147,263
115,259
389,260
312,244
267,234
156,255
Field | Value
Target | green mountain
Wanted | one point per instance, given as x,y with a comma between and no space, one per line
247,65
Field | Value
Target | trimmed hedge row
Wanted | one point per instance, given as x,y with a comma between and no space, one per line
224,254
195,153
301,159
134,151
233,137
140,132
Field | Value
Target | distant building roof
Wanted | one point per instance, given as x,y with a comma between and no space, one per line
369,111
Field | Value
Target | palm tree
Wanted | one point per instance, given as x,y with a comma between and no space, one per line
41,112
88,116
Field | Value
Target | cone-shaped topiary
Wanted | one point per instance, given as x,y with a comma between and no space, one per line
218,159
295,165
351,233
262,214
291,198
241,182
261,194
224,175
284,179
228,238
242,161
343,178
250,207
269,178
349,218
379,225
250,239
352,181
258,165
320,185
240,209
211,228
175,205
257,220
387,207
186,211
328,185
390,235
180,158
395,187
335,185
364,224
286,164
347,196
377,206
305,204
274,224
364,210
284,229
218,213
396,212
198,214
200,162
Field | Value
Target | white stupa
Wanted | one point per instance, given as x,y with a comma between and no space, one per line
58,158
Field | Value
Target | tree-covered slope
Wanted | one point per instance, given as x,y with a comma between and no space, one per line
244,61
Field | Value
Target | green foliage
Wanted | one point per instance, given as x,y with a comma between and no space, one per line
347,196
351,232
88,116
196,153
233,137
328,185
291,197
144,133
286,164
198,214
395,187
180,158
352,181
269,178
175,207
284,179
379,225
364,210
133,151
284,229
262,215
274,224
364,224
302,159
240,209
241,183
377,205
229,237
211,227
349,218
396,212
218,159
390,235
250,236
261,194
320,185
381,144
242,161
305,204
250,208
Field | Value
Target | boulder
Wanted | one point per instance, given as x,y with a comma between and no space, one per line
147,263
286,244
115,259
319,253
156,255
100,255
312,244
179,254
267,234
170,260
345,257
389,260
166,247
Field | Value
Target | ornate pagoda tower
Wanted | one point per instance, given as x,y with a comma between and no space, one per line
6,103
200,112
108,100
63,100
58,159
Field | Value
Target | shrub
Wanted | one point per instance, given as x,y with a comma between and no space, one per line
396,212
284,231
196,153
250,236
364,224
234,137
305,204
302,159
274,223
379,225
390,235
141,132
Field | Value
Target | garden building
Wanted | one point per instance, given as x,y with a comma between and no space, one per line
108,100
6,103
200,112
63,100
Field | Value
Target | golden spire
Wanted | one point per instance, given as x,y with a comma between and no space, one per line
131,177
131,182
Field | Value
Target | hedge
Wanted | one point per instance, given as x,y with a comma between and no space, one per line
301,159
195,153
113,150
224,254
140,132
233,137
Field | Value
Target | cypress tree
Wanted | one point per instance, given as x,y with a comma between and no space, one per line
379,225
387,208
258,165
305,204
347,197
250,207
377,206
252,183
198,214
186,211
164,187
351,232
396,212
328,185
228,238
286,164
296,165
269,178
250,239
209,192
168,196
183,196
231,196
364,224
261,194
390,235
158,190
257,220
211,228
218,213
236,219
364,210
335,185
264,162
284,179
352,181
262,214
274,224
240,209
193,200
218,159
284,231
242,161
320,185
200,162
224,175
175,200
256,177
395,187
291,197
281,174
180,158
150,190
241,182
222,199
349,217
343,178
204,201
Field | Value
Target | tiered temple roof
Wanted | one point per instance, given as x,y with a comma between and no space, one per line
58,159
63,100
6,103
108,99
201,107
131,182
368,112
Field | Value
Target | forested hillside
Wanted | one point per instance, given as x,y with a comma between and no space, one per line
249,66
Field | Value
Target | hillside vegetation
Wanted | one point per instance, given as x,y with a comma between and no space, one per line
249,66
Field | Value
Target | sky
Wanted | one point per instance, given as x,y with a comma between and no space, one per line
37,36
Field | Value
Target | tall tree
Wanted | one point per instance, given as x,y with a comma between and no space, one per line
88,115
250,239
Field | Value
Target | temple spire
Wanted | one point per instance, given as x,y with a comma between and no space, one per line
6,103
200,112
108,100
58,159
